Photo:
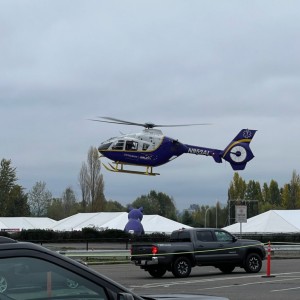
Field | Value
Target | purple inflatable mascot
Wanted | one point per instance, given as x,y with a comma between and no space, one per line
134,224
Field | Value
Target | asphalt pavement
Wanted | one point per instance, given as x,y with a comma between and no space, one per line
283,282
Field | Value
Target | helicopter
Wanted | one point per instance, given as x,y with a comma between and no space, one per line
150,148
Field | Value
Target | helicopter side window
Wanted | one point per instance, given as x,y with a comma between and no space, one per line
145,147
119,145
131,145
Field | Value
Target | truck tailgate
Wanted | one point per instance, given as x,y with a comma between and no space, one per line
141,251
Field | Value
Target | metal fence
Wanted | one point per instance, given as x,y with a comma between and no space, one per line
113,255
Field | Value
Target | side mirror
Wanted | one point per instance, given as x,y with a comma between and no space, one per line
234,239
125,296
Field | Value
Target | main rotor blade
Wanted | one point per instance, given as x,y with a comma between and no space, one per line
146,125
118,121
182,125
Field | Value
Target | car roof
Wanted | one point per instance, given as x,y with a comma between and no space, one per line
6,240
197,229
11,244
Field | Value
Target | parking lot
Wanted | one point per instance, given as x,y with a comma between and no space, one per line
284,282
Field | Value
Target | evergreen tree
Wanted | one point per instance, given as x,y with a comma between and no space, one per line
157,203
236,193
237,188
55,209
187,218
254,196
114,206
286,196
290,196
266,193
69,203
295,191
13,200
199,216
17,205
275,197
253,191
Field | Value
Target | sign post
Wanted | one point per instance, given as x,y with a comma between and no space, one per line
241,215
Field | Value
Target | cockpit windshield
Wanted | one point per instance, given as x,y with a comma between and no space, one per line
104,146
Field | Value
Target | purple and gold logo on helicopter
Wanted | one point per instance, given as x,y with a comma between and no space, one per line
247,134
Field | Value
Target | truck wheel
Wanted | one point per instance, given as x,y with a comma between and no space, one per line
157,272
253,263
181,267
226,269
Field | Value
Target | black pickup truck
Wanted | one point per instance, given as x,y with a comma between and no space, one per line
198,247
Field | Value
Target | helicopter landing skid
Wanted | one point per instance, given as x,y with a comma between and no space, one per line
119,167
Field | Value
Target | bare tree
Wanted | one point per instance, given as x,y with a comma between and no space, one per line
39,199
84,186
92,183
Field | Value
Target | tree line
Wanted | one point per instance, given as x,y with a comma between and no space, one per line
268,196
39,201
258,199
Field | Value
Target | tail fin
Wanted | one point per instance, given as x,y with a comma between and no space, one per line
238,152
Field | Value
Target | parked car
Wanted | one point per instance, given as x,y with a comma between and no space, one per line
193,247
29,271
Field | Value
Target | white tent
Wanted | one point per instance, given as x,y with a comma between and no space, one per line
156,223
3,227
272,221
98,220
19,223
116,220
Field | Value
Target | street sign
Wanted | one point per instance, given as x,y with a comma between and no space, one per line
241,213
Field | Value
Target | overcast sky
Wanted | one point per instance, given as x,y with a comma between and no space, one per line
235,64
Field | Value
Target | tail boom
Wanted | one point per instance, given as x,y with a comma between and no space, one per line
237,153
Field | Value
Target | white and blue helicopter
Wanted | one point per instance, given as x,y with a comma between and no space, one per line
150,148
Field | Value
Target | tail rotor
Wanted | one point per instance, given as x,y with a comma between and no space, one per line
238,152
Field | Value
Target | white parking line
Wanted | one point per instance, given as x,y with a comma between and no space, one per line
282,290
181,282
292,276
249,283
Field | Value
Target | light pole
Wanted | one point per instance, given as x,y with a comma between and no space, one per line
205,216
217,214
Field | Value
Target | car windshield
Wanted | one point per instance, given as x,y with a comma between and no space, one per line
30,278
